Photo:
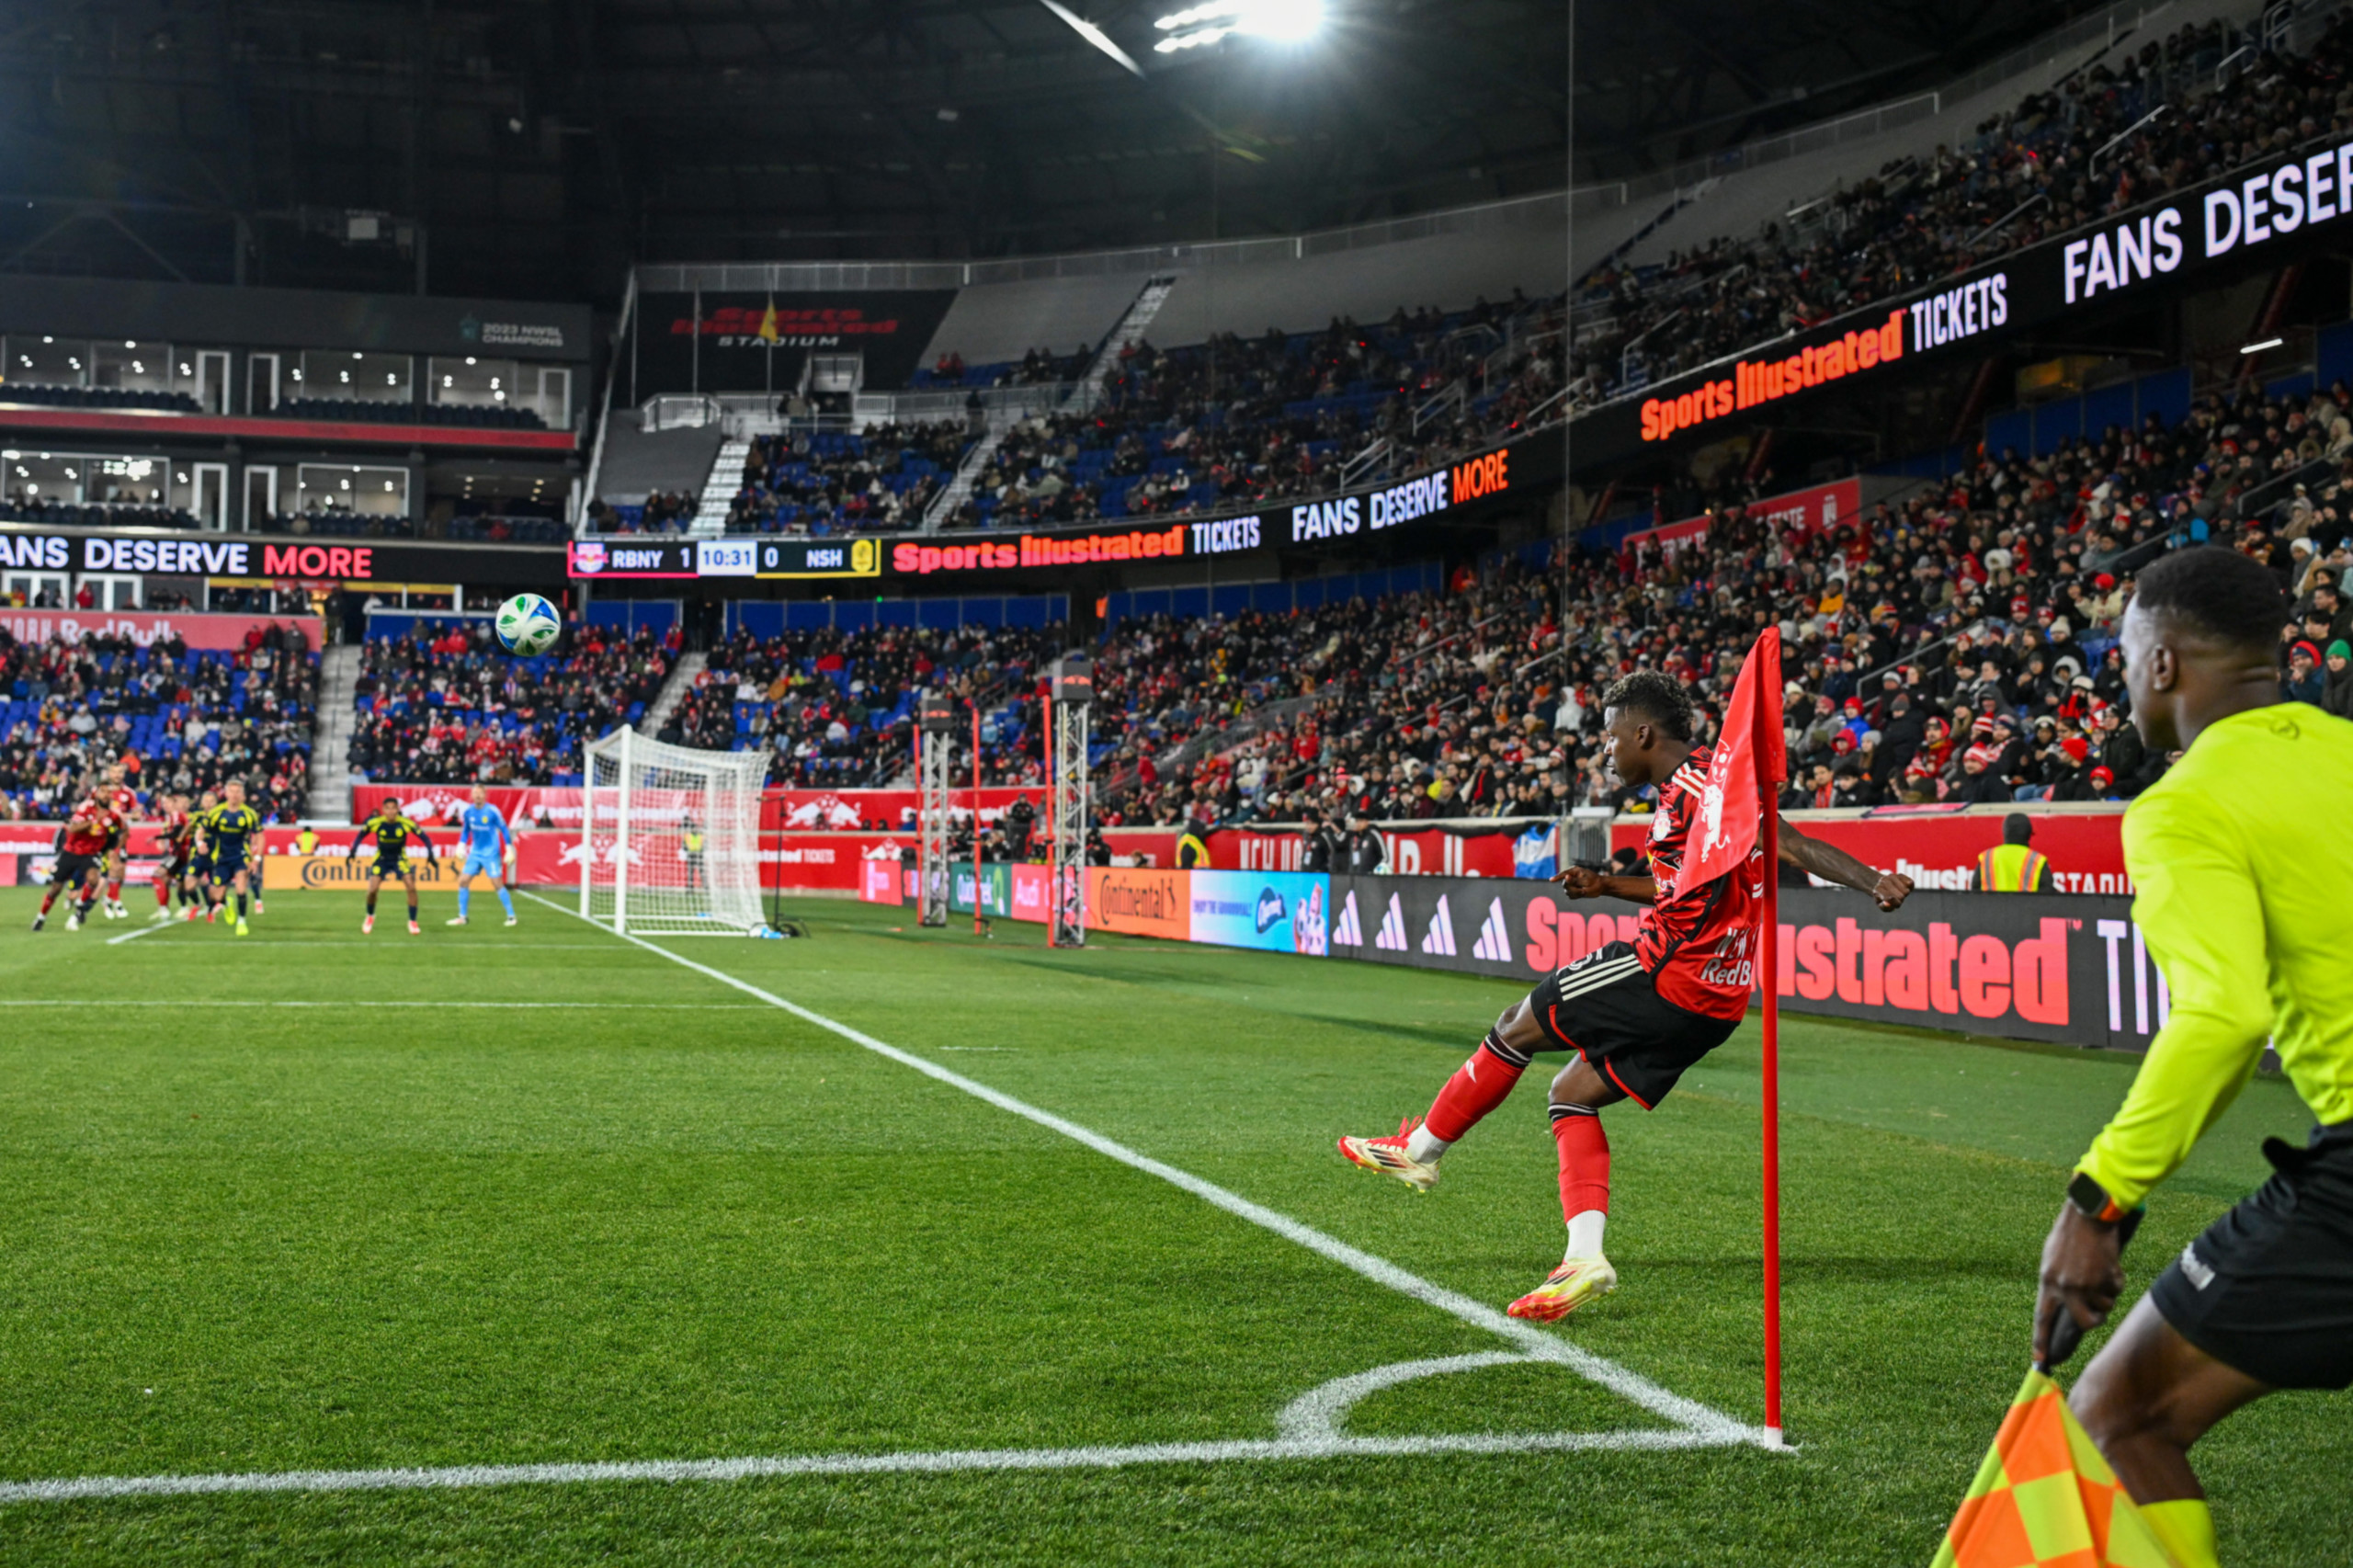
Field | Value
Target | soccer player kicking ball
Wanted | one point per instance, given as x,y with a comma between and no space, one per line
1635,1015
482,834
391,829
2252,927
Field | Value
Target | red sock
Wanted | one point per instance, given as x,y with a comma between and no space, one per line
163,894
47,899
1584,1161
1477,1087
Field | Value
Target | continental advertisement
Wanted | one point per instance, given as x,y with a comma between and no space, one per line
1141,900
345,870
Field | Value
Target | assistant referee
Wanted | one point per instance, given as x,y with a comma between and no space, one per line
2251,921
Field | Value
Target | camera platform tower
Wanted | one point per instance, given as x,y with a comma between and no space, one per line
938,720
1070,698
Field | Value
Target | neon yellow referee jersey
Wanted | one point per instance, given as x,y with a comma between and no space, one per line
2244,859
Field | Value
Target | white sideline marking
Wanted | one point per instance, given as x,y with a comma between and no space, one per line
939,1462
372,1004
1316,1414
147,930
1538,1345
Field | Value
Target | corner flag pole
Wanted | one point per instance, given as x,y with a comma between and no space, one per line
1769,979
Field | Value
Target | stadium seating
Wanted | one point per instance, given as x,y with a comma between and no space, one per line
827,482
444,705
122,398
495,528
179,719
455,415
2055,160
51,514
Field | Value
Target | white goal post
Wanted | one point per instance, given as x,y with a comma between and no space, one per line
670,838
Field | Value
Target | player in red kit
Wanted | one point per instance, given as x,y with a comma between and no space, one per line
1634,1015
123,802
81,848
179,844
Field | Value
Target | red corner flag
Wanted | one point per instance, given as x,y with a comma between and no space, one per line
1739,807
1746,773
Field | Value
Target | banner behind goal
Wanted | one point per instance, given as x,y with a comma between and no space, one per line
670,838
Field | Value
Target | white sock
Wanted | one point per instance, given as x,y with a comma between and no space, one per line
1584,1233
1423,1147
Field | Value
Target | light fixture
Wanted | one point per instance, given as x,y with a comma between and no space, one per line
1093,35
1284,21
2259,348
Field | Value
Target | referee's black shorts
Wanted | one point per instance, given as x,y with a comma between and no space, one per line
2269,1288
1604,1008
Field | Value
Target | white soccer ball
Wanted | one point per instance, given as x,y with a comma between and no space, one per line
527,624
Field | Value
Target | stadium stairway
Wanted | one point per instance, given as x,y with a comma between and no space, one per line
721,486
674,691
330,796
1084,398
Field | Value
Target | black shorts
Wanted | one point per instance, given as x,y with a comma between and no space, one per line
72,869
2269,1288
227,863
389,863
1603,1008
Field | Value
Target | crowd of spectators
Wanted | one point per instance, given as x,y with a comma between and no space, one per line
836,710
443,704
2058,160
818,483
662,512
1954,644
178,720
1240,421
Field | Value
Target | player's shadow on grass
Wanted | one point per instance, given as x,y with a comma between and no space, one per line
1806,1268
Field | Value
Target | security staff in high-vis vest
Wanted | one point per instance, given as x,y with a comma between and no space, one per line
691,835
306,842
1192,849
2010,866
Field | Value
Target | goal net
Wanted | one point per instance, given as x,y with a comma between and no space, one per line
670,838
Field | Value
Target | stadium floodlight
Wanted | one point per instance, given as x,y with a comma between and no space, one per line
2259,348
1283,21
1093,35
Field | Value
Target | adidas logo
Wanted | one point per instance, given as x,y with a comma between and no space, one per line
1349,932
1392,939
1494,937
1440,942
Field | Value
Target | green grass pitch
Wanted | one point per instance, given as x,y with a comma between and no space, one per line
313,1201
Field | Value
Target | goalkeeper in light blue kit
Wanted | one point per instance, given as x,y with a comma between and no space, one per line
488,844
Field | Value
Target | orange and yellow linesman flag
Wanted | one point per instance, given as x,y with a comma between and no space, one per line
2045,1498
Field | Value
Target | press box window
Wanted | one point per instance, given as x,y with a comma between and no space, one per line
370,492
359,377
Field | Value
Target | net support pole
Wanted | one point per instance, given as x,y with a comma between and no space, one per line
1046,744
1770,981
621,839
978,897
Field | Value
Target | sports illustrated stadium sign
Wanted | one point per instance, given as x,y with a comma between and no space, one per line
2287,205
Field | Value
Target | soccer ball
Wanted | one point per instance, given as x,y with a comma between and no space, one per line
527,624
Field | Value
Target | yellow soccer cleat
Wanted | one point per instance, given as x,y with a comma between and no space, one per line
1388,1156
1567,1288
243,929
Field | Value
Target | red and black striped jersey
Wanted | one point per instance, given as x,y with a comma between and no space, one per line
1699,944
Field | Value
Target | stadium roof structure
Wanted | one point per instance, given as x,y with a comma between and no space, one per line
534,148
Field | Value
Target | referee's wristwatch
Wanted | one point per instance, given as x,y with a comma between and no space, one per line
2086,1194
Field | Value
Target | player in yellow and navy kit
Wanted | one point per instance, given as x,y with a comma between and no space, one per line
230,829
2252,927
392,831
